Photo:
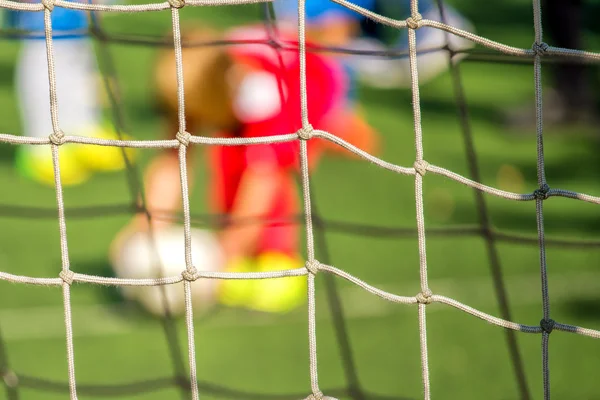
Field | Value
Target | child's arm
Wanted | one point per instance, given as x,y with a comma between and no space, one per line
255,197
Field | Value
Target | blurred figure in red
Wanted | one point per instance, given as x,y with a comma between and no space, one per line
246,91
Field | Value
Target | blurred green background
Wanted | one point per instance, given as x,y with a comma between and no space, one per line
268,354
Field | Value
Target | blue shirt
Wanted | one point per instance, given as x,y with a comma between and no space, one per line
316,9
63,20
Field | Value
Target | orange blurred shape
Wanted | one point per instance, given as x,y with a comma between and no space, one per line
353,128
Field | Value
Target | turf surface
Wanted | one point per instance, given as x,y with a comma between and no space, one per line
263,354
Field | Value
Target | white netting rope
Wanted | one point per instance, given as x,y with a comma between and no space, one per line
312,267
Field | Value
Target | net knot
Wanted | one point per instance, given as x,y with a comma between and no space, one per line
315,396
542,193
306,132
414,22
177,3
48,4
421,167
190,274
424,297
547,325
313,266
540,48
183,138
67,276
57,138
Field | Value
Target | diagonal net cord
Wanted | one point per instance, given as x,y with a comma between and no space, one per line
57,138
136,188
10,381
355,389
484,217
109,81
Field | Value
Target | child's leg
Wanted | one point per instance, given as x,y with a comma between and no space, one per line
162,181
32,89
77,80
79,111
80,108
278,251
75,84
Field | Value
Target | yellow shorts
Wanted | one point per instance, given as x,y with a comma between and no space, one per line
278,295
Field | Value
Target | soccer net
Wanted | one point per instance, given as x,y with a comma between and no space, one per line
312,221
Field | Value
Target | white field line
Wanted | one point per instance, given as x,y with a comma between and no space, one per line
46,322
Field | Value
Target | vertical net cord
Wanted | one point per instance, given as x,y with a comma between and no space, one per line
335,306
546,322
302,56
136,188
425,292
484,217
310,247
56,138
312,329
190,273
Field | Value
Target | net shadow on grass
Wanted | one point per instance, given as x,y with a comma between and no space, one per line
153,385
485,223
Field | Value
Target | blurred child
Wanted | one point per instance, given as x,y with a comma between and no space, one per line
248,91
572,97
334,25
79,105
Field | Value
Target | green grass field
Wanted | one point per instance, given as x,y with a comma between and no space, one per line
255,353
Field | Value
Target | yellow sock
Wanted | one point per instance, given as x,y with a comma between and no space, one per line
237,292
278,295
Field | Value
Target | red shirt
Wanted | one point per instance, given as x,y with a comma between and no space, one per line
269,104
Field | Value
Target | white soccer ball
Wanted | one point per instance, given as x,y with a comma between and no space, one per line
162,254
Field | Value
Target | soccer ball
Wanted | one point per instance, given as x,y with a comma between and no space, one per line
162,254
